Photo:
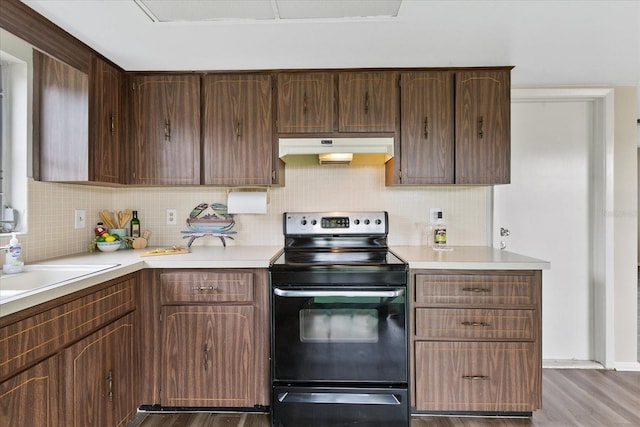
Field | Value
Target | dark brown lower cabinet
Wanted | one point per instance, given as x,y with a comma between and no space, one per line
208,356
475,376
69,362
99,377
214,341
31,398
476,341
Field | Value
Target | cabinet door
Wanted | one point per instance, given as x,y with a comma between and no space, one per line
483,127
306,102
473,376
107,123
61,121
238,123
367,101
31,398
427,128
99,377
208,356
167,129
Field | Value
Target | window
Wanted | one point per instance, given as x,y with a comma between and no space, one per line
15,129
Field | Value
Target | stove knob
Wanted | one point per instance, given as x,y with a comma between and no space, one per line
366,222
314,222
378,221
356,221
303,222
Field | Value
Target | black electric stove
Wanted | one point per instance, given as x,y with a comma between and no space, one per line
339,342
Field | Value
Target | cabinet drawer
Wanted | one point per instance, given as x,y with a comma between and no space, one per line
475,289
436,323
474,376
198,286
44,333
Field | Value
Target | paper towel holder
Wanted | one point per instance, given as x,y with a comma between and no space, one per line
249,189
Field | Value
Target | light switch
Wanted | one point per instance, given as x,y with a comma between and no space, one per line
80,217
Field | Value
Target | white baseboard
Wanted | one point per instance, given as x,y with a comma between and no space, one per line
588,364
570,364
627,366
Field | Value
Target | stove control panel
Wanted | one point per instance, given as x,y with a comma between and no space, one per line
342,223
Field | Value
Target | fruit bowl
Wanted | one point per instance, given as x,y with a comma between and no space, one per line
108,246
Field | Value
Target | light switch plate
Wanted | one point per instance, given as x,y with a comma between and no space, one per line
80,218
172,217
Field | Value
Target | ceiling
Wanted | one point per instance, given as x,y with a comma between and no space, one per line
549,42
199,10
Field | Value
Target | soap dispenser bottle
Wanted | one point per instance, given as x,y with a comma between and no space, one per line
13,261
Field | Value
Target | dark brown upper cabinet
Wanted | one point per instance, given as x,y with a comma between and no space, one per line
78,122
367,101
483,127
306,102
166,129
454,128
238,129
107,123
427,127
60,121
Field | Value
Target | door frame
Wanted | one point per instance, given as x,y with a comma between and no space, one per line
601,221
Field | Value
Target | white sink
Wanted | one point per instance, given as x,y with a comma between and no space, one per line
37,276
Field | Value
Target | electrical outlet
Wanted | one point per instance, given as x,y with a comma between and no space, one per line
80,217
172,217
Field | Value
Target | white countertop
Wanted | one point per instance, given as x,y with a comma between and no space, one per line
467,258
129,261
120,263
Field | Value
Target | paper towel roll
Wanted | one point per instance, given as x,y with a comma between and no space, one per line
254,202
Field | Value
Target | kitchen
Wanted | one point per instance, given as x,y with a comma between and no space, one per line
468,209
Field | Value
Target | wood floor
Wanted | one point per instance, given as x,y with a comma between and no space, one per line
571,398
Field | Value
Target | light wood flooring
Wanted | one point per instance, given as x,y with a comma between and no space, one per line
571,398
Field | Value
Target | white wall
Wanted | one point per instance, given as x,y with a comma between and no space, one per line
625,220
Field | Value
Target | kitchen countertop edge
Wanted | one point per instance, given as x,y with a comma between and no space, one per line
130,261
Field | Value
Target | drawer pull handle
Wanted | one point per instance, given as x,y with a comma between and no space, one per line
205,288
478,290
483,324
206,357
475,377
110,385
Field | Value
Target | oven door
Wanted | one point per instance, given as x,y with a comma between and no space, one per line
339,335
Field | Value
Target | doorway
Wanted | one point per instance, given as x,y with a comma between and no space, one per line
554,210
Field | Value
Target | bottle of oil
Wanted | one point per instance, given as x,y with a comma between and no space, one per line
135,225
439,232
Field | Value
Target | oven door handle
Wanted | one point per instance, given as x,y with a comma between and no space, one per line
296,293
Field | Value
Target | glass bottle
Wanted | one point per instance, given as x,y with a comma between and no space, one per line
440,232
135,225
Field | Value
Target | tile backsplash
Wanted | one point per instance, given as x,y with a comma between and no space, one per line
309,187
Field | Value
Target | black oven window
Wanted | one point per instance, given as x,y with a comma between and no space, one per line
343,325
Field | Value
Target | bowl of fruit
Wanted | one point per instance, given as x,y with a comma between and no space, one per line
108,242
